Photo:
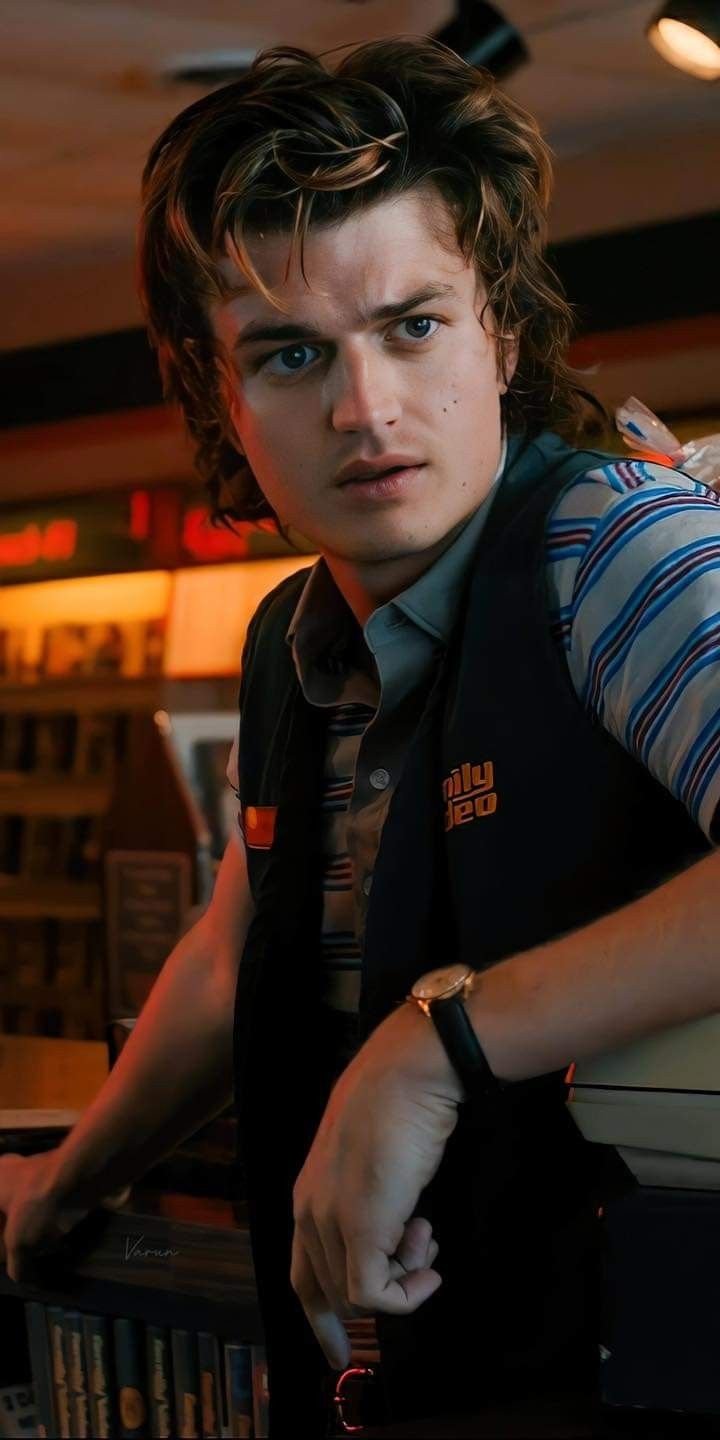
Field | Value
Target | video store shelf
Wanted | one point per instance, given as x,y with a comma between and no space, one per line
82,695
125,695
50,997
32,793
49,899
190,1263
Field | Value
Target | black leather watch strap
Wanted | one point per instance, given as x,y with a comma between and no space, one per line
465,1052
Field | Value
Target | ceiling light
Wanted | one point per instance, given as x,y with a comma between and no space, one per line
208,68
687,34
482,36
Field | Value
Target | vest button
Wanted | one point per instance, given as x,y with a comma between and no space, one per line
367,884
379,779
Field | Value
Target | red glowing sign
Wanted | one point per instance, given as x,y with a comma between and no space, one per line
55,541
109,534
87,535
140,515
207,542
202,541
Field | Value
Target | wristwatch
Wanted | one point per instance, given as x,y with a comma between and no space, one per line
441,995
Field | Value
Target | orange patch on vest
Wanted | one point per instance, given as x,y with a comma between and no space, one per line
258,826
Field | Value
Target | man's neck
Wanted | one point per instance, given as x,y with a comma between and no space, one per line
365,587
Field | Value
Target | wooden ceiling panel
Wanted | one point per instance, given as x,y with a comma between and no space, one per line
84,96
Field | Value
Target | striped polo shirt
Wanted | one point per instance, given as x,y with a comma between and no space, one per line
633,576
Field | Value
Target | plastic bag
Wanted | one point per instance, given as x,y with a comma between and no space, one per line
643,431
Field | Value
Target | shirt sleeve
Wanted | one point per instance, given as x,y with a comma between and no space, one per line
633,555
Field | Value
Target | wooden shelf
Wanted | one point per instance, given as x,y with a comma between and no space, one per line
25,792
158,1257
82,696
50,997
147,693
49,899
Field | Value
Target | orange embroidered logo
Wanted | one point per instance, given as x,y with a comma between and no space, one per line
468,794
257,823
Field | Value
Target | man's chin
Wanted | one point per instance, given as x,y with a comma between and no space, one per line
368,548
380,552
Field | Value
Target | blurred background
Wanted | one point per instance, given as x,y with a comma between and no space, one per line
118,684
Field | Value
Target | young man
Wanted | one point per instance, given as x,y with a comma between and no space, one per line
483,731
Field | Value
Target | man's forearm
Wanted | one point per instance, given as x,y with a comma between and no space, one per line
174,1072
653,964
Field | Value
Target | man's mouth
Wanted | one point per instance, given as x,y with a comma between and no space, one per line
361,471
377,475
385,483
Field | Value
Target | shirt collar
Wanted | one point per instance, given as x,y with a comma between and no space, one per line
322,617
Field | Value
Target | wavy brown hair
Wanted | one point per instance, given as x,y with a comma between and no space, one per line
295,143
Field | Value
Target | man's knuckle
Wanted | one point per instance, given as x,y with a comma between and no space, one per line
359,1294
304,1221
300,1201
325,1216
353,1224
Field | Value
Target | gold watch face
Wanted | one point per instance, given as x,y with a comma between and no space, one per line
441,984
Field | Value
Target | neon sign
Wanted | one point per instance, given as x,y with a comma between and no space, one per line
208,542
248,540
159,528
55,541
85,535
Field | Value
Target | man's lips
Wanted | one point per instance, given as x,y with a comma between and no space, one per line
362,471
389,484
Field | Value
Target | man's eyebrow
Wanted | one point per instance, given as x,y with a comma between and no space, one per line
411,302
258,330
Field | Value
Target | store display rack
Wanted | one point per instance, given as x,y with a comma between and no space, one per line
163,1258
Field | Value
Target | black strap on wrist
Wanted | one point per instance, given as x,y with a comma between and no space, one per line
464,1050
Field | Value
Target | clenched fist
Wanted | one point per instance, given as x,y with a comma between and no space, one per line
358,1247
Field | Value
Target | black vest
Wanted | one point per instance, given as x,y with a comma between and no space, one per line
516,819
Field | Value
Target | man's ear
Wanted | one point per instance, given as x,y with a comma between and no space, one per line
506,342
508,350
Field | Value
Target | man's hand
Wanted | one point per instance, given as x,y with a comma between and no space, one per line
358,1248
34,1216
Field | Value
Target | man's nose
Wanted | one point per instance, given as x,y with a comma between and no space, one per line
363,395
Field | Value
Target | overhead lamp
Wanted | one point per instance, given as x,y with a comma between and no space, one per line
687,35
208,68
479,34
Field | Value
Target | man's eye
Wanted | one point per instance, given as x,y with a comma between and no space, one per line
419,327
291,360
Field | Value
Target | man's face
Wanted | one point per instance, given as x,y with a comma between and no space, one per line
378,361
